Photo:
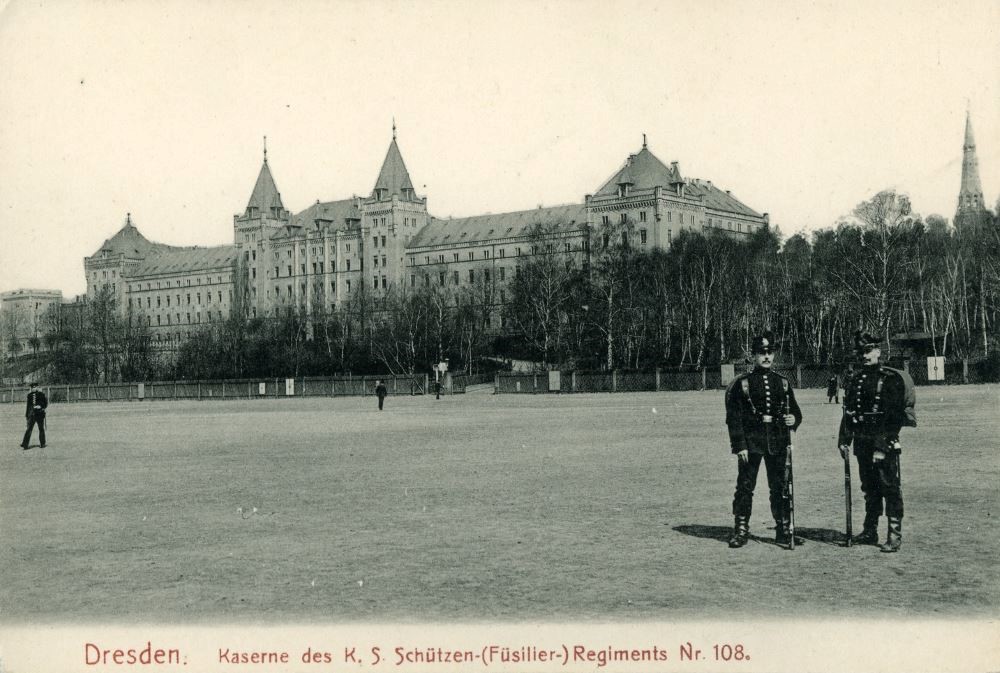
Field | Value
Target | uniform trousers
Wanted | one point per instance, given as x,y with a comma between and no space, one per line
879,480
32,420
746,480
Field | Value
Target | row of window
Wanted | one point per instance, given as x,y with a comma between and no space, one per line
149,300
177,283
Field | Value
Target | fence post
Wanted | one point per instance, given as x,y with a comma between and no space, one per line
657,379
614,380
199,390
572,381
175,389
67,395
798,376
426,383
496,383
704,378
965,370
534,383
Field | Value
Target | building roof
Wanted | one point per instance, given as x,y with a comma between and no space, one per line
129,242
717,199
460,230
265,193
641,171
393,177
338,213
187,260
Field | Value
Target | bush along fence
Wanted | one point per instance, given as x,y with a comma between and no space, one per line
232,389
711,378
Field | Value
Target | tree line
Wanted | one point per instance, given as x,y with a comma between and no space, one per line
698,303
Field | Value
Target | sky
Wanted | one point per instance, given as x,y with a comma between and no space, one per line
159,109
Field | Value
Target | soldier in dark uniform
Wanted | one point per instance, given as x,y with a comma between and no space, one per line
760,412
874,413
381,391
34,414
832,390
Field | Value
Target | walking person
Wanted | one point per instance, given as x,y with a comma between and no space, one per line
34,414
761,413
875,410
381,391
832,390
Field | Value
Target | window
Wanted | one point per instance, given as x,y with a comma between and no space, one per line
413,280
158,319
149,302
623,218
502,274
188,298
383,260
253,273
385,283
486,275
348,268
486,254
605,220
517,252
568,247
277,272
199,297
472,255
441,259
303,267
321,268
454,256
642,215
441,279
289,270
503,296
642,236
455,277
682,218
220,295
502,253
472,276
374,241
374,261
158,301
383,241
669,216
375,282
348,287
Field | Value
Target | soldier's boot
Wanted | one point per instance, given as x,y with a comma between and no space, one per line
783,535
895,538
868,534
741,532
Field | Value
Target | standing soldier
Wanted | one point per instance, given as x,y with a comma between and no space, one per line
35,414
381,391
760,412
874,413
832,390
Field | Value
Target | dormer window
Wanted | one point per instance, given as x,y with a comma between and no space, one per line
251,211
623,190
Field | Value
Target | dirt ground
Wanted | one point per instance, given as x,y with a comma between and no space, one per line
475,507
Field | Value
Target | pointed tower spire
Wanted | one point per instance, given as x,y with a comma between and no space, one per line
265,199
970,194
393,178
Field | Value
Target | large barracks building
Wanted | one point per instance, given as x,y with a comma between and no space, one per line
316,260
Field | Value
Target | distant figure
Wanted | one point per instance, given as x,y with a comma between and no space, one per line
34,413
832,390
381,391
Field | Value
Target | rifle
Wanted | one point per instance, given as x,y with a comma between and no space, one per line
847,496
789,494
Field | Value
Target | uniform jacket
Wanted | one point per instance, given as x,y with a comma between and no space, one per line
381,390
750,399
36,398
871,410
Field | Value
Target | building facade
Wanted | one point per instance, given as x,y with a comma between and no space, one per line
325,256
24,318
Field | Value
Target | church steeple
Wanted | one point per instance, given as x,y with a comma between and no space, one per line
393,179
971,209
265,199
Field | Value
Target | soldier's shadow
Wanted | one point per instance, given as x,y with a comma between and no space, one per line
723,533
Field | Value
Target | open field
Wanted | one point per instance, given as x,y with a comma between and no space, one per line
475,507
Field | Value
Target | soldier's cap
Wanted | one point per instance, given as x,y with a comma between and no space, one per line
762,343
864,341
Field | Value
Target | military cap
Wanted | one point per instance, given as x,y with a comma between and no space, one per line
762,343
864,340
